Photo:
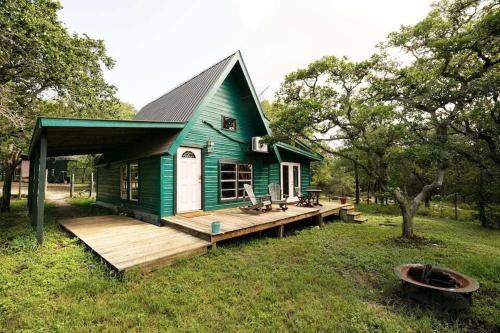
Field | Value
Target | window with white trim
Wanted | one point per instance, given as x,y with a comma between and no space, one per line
124,181
129,181
233,177
134,181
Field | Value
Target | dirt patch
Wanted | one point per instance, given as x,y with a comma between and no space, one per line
387,224
417,241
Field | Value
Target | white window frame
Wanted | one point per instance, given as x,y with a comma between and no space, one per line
290,176
126,182
136,163
236,181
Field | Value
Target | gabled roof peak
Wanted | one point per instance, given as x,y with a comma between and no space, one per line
180,103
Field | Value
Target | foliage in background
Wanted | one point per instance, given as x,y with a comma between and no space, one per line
456,58
123,110
45,70
397,121
333,175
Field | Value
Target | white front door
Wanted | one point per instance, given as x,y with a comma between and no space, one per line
290,179
188,179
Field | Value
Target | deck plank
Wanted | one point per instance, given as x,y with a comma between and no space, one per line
126,243
235,223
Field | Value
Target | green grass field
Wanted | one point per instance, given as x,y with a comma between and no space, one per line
338,279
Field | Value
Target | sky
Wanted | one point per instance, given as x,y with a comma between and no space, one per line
158,44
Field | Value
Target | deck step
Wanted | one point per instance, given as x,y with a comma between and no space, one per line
186,229
349,214
360,220
187,252
352,216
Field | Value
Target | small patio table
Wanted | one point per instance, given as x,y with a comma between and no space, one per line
313,197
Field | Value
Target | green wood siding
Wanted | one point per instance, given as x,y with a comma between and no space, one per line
149,184
305,175
274,173
167,185
261,176
108,185
232,99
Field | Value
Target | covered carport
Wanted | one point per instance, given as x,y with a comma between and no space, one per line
66,136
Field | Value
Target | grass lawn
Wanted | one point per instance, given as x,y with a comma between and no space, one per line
338,279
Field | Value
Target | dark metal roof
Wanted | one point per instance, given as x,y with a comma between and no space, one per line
179,104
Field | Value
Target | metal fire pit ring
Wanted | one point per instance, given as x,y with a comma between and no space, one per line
466,284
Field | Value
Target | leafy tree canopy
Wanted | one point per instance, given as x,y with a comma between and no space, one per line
396,118
44,69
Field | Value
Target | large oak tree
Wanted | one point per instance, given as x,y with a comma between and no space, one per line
395,118
41,61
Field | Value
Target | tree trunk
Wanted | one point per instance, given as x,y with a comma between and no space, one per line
356,179
408,223
9,165
6,190
428,202
406,212
409,208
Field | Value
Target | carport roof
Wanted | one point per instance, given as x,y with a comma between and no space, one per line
70,136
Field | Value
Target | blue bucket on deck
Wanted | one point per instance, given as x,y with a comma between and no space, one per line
215,227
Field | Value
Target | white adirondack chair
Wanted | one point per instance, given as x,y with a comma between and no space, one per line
276,197
258,204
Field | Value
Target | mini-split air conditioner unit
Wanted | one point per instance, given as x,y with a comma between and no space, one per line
259,147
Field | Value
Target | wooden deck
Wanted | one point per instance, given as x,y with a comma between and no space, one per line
236,223
124,242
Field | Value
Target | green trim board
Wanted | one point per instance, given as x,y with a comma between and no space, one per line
277,153
309,154
252,90
49,122
75,122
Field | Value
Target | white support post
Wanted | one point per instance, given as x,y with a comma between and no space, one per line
71,185
91,184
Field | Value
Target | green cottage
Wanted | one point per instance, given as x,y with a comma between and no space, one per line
179,165
192,149
204,164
